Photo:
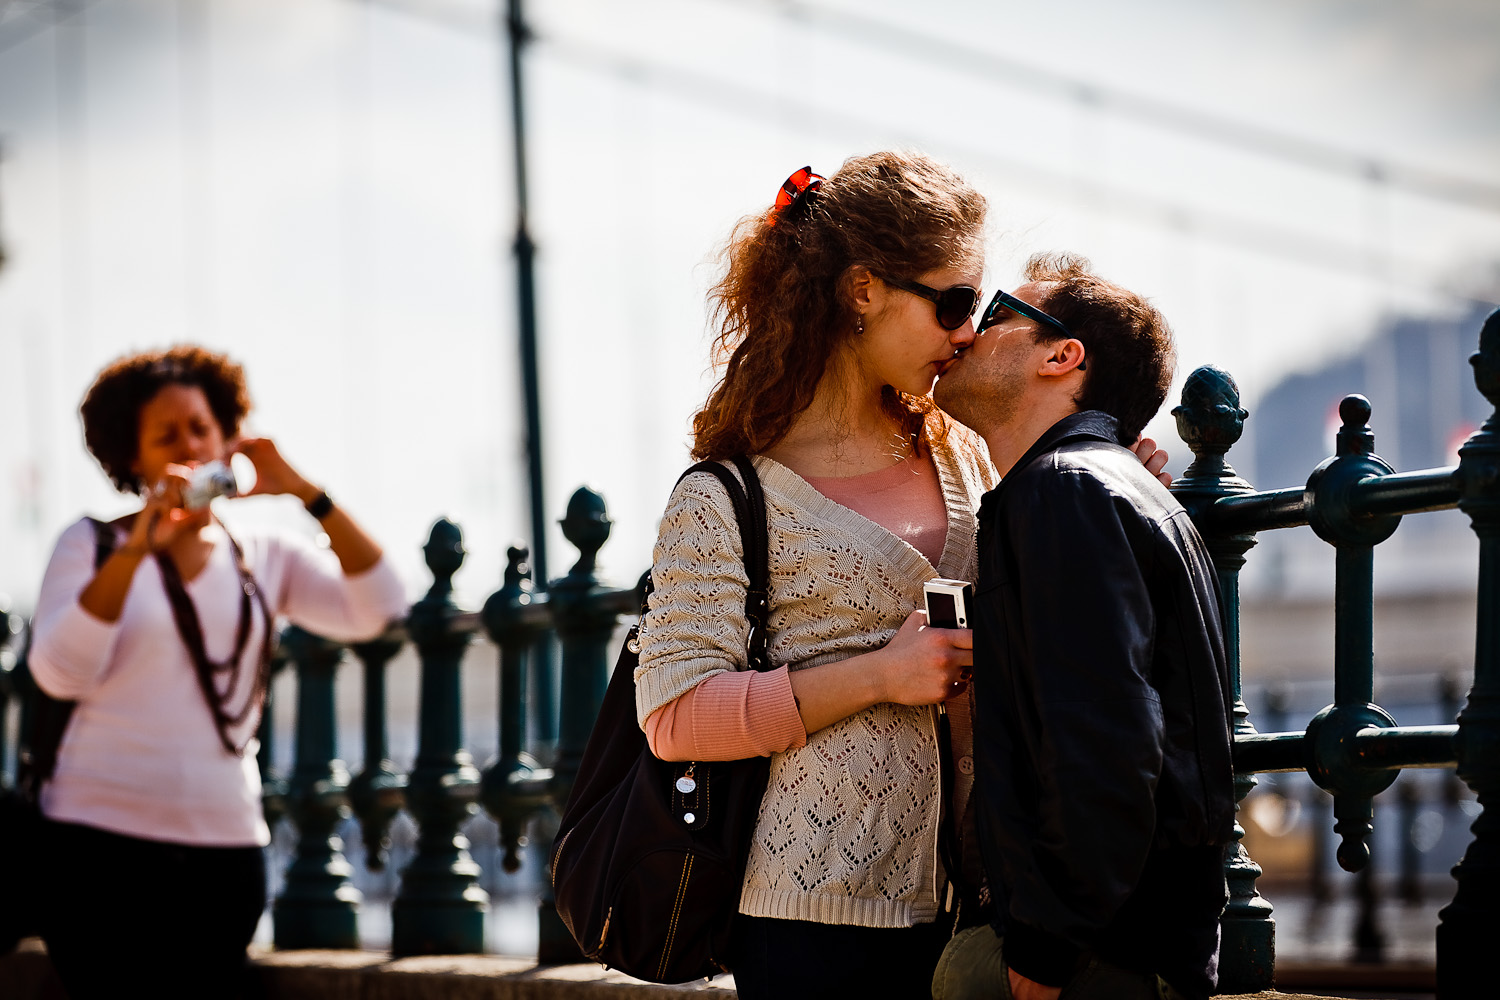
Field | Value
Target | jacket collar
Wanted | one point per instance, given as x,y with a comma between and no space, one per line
1084,425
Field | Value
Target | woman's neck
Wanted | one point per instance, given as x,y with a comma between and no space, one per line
846,431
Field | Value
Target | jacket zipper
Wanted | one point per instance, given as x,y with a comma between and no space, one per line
557,853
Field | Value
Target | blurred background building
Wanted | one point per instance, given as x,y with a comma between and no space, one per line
325,189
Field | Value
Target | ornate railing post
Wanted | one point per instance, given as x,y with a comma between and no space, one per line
1210,420
273,787
1409,884
514,787
319,905
1319,809
1469,926
10,627
585,623
379,790
1354,537
440,908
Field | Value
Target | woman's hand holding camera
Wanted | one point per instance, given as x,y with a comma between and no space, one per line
273,473
919,666
356,550
925,665
165,517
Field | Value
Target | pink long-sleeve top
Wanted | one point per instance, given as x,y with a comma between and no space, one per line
748,713
141,755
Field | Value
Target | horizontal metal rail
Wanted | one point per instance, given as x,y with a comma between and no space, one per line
537,613
1374,748
1397,493
1261,511
1407,492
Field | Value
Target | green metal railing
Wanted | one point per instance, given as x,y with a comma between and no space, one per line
440,907
1353,748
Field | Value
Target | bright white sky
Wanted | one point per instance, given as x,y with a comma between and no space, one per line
324,189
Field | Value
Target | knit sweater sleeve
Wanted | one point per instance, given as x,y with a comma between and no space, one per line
695,625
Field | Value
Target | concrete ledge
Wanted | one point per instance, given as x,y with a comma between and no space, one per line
363,975
343,975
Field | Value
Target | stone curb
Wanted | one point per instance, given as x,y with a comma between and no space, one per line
344,975
365,975
362,975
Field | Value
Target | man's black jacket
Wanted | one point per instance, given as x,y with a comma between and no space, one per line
1105,790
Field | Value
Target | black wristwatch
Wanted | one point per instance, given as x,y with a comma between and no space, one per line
320,506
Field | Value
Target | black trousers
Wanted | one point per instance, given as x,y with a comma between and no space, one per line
790,959
122,915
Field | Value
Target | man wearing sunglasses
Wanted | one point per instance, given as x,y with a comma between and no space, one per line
1104,796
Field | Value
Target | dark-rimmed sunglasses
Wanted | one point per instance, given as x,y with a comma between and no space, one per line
1004,300
954,305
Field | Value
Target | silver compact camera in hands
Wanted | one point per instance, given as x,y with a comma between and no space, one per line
210,480
947,602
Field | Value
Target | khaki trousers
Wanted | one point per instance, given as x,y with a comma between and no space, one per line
973,968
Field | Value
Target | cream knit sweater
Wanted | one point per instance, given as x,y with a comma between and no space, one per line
848,828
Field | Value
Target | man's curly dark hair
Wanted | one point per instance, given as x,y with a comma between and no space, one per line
111,409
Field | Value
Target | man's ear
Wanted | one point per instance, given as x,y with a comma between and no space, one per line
1065,356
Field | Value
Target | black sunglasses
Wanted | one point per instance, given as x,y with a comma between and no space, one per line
1005,300
954,305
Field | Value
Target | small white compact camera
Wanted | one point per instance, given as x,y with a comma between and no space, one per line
210,480
947,602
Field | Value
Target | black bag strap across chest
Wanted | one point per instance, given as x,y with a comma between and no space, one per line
749,503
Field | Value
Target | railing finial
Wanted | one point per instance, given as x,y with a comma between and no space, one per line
1486,360
1210,419
1355,436
444,554
586,526
517,568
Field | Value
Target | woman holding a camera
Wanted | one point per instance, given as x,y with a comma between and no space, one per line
157,625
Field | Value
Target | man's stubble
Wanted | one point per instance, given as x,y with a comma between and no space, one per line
982,395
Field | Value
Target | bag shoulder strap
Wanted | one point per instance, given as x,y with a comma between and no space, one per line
49,717
104,541
749,504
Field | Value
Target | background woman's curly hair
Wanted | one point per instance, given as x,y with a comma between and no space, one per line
785,305
111,409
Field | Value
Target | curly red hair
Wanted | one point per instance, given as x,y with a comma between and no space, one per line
784,307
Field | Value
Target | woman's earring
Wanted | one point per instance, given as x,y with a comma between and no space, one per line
859,325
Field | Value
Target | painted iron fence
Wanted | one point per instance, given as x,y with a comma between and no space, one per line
1352,748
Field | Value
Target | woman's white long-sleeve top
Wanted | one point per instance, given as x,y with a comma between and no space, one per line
141,755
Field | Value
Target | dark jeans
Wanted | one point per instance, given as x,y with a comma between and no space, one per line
789,959
122,915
